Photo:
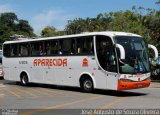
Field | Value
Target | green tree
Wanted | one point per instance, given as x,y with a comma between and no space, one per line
129,21
8,19
158,2
145,22
10,24
49,31
154,26
24,28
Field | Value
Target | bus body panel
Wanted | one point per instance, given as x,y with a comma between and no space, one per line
112,79
59,75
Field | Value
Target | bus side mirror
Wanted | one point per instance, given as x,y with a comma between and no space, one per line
154,49
122,51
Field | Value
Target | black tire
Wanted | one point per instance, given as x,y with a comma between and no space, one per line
87,85
24,79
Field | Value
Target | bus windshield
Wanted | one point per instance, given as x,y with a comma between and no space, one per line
136,56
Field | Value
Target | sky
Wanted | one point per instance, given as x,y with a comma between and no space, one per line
42,13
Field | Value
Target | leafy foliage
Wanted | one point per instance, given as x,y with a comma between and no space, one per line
51,31
145,22
10,24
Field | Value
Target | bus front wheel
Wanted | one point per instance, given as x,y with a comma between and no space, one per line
24,79
87,85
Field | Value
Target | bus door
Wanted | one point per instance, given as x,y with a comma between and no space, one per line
107,60
111,69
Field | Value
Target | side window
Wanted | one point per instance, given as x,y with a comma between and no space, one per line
67,46
23,49
51,47
37,49
106,53
85,46
14,50
6,50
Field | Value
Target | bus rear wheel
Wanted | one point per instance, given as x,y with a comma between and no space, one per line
24,79
87,85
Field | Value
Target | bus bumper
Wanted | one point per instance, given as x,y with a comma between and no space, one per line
122,85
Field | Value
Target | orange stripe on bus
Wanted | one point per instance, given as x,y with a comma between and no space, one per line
133,85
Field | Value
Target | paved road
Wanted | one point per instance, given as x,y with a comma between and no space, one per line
40,99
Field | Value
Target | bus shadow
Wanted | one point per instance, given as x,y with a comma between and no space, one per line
75,89
119,93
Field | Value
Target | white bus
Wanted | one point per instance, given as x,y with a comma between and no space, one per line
96,60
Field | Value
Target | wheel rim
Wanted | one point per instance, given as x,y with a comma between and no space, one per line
87,84
24,80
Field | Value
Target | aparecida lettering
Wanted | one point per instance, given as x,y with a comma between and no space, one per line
50,62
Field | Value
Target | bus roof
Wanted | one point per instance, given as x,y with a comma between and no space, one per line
107,33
